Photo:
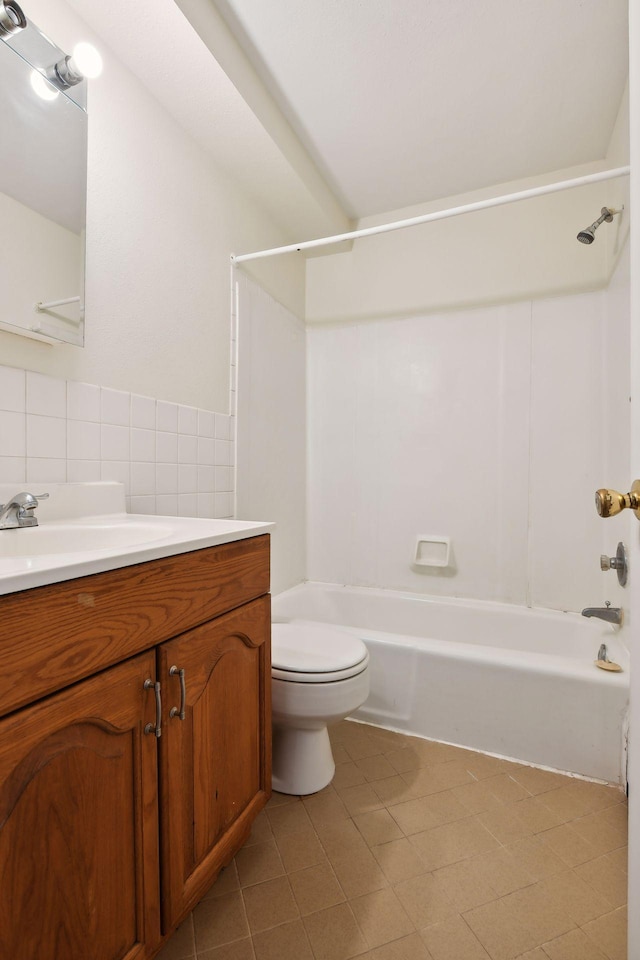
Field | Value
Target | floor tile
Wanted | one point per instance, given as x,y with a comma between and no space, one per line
286,942
606,879
408,948
358,873
181,945
381,917
220,920
375,768
577,898
269,904
377,827
288,818
453,940
425,900
500,930
334,933
441,854
315,888
347,775
465,884
300,849
226,882
452,842
258,863
398,860
240,950
610,934
574,945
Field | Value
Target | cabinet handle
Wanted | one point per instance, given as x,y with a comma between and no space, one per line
181,712
157,726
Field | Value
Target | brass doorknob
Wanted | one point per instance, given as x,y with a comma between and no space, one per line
610,502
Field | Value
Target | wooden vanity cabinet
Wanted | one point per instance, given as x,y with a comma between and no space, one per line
208,798
109,835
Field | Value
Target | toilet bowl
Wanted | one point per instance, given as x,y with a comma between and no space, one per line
319,675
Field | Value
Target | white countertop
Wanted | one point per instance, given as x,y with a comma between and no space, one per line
70,542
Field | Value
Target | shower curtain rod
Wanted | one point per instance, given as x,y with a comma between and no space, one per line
438,215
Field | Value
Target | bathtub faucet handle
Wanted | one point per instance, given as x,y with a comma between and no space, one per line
610,502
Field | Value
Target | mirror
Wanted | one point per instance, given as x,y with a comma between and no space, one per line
43,159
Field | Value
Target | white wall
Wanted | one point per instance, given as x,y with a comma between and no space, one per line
161,223
486,425
515,252
271,432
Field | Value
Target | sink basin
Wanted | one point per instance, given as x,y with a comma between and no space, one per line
84,529
89,537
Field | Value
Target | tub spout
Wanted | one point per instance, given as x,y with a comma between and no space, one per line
608,613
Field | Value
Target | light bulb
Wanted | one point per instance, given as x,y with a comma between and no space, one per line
41,86
86,60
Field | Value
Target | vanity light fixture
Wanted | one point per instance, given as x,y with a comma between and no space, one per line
85,63
12,19
43,87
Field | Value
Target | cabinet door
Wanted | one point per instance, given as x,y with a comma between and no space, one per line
215,772
78,822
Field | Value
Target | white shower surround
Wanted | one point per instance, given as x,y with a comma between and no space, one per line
507,680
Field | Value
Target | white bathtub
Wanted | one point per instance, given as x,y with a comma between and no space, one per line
503,679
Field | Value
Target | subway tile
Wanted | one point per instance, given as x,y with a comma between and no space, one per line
187,505
187,449
83,401
187,420
46,437
206,506
223,505
115,406
143,444
166,447
206,451
143,479
143,412
206,480
167,504
12,469
167,416
83,440
224,480
46,396
83,471
223,426
119,471
206,424
167,478
187,478
13,434
143,505
46,470
13,385
115,442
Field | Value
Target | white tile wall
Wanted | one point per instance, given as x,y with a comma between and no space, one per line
493,427
173,459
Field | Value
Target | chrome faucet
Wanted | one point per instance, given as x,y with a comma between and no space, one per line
608,613
19,511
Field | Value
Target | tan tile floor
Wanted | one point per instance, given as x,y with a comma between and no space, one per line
420,851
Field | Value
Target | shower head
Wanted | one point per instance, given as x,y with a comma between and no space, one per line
588,235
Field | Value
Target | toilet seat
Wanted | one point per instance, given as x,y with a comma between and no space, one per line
315,653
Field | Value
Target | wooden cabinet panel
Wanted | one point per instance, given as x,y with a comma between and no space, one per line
78,822
56,635
215,771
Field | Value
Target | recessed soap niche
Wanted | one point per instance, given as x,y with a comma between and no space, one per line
432,551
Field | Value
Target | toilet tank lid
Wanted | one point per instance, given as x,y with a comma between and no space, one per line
302,647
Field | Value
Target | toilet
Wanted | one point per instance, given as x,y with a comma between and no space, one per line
319,675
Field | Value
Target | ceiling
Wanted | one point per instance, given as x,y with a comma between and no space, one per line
328,111
404,101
